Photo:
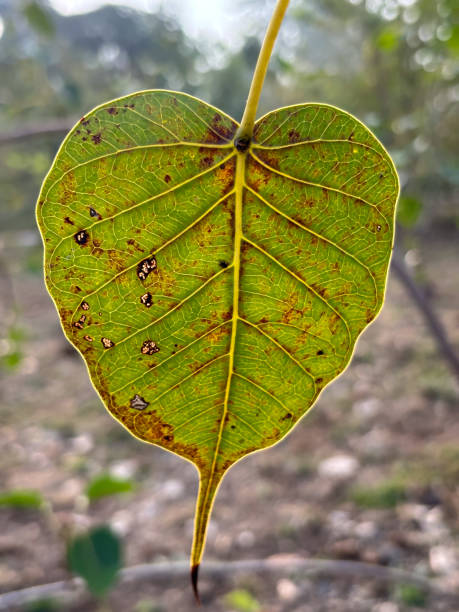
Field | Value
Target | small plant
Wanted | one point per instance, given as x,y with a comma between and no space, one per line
96,556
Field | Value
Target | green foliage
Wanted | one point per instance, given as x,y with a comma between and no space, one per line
96,556
106,485
24,499
389,38
242,600
412,595
385,495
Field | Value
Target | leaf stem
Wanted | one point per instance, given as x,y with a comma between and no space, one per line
245,130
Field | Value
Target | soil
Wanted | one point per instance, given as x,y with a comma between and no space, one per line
371,474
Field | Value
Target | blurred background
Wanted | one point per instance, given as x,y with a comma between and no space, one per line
372,474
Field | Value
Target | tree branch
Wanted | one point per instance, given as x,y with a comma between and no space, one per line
433,322
74,589
37,130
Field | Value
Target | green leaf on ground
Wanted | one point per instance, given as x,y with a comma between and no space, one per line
105,485
242,601
385,495
22,498
43,605
214,287
412,595
96,556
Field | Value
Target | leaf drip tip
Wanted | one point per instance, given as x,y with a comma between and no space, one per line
194,582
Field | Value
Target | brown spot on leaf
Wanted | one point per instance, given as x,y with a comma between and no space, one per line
149,348
146,299
223,131
112,110
96,138
206,161
81,237
79,324
138,402
107,343
320,352
84,305
145,267
94,213
88,338
167,178
135,244
68,220
293,136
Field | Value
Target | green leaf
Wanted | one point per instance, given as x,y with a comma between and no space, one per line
412,595
21,499
386,495
214,287
43,605
106,485
96,556
242,601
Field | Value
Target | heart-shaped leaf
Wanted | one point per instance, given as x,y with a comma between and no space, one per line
214,286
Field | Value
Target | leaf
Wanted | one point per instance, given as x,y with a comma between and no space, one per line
412,595
106,485
385,495
214,287
242,601
23,499
96,557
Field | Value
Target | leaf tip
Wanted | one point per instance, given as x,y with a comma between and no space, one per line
194,582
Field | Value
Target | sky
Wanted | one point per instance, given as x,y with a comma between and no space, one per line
209,19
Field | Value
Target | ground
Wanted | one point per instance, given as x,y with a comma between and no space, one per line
371,474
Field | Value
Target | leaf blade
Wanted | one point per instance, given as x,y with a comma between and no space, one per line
212,292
